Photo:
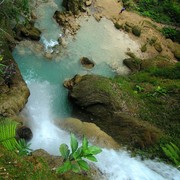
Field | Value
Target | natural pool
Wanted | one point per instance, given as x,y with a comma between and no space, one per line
48,101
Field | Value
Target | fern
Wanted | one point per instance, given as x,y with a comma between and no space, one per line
172,152
7,134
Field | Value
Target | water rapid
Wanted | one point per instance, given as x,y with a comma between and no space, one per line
106,46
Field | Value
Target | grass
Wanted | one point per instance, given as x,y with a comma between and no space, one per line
13,166
158,99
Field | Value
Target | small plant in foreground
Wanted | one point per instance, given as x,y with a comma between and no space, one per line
172,152
8,140
158,91
74,160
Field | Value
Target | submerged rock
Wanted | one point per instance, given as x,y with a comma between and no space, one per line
87,63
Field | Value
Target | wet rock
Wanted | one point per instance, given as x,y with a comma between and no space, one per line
87,63
92,132
71,82
24,132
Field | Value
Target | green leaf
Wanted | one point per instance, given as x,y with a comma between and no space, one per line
84,143
94,150
74,143
64,168
77,154
83,165
91,157
64,150
75,168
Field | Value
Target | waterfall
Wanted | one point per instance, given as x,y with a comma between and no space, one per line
48,100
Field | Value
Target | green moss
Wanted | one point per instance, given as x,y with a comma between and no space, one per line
144,48
158,47
177,54
117,25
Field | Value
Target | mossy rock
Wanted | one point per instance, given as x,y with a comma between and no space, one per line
152,40
117,25
136,30
132,64
127,28
129,24
158,47
144,48
177,54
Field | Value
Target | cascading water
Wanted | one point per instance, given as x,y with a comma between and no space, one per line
106,46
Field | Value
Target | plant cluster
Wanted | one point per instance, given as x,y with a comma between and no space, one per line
8,138
172,152
74,160
13,9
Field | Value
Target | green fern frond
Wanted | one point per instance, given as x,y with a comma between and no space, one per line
7,134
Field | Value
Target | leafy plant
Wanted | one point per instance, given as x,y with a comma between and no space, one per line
74,160
138,89
158,91
172,152
8,140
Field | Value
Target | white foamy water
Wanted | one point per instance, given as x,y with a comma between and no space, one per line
39,116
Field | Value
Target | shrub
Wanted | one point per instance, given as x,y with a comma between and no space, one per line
171,33
117,25
158,47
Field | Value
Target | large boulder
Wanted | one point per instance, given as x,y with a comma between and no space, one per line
24,132
99,100
14,93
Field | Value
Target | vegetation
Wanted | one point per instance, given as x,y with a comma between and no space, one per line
172,152
164,11
8,138
171,33
156,92
74,160
12,10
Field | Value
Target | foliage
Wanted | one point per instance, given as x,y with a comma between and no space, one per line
158,91
172,152
171,33
74,160
8,140
13,9
165,11
170,72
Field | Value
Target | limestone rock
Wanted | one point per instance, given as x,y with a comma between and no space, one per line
92,132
